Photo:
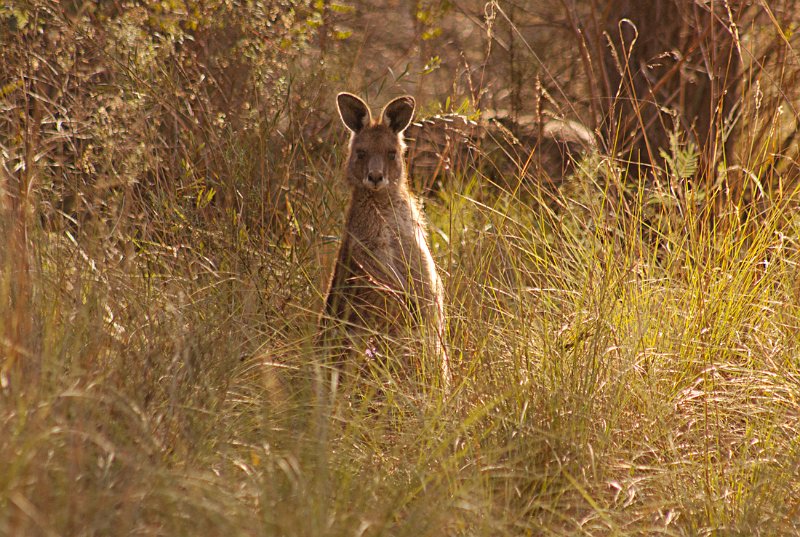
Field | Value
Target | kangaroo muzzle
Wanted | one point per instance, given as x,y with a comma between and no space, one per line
375,172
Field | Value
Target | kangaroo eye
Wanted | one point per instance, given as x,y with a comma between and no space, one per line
392,155
360,154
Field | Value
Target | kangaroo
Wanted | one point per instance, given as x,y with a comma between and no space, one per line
384,280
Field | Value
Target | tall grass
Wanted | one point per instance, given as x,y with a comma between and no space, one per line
625,358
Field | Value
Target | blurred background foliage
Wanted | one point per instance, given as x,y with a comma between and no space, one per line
118,113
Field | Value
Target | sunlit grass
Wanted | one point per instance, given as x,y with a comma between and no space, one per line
625,350
604,382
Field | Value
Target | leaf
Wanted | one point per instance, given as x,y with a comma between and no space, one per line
11,87
341,8
341,35
682,162
430,34
433,64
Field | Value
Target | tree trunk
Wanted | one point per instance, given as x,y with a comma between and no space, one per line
665,66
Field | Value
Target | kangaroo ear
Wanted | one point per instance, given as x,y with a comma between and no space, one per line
353,111
398,113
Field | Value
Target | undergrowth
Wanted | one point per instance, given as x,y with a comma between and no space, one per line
624,346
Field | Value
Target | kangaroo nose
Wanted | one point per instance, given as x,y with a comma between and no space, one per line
375,177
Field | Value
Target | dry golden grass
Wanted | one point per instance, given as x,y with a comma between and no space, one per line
624,349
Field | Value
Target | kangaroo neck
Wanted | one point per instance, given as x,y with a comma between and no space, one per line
386,202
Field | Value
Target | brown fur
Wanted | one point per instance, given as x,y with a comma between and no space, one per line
384,280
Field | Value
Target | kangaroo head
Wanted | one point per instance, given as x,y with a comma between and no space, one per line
376,147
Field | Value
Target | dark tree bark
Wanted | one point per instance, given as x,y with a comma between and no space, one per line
660,64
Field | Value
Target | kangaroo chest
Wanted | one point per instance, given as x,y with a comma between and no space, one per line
395,243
